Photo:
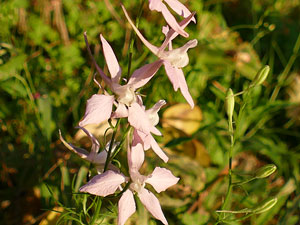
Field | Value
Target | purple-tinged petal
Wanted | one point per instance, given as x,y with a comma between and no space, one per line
142,138
135,156
82,153
172,74
170,19
152,204
111,60
98,109
171,34
142,75
155,5
151,47
179,8
120,112
178,57
161,179
155,131
138,118
95,143
100,72
126,207
158,151
104,184
153,112
177,78
184,88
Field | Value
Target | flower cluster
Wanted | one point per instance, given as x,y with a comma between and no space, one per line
123,101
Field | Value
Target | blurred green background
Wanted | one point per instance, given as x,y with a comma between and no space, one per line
46,77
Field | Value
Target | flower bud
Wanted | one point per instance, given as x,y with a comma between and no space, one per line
265,205
261,76
265,171
229,103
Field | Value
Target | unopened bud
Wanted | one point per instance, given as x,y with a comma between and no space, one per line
229,103
265,171
261,76
265,205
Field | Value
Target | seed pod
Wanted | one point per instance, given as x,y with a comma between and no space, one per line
265,171
229,103
261,76
265,205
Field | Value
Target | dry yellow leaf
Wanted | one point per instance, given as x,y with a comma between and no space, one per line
182,117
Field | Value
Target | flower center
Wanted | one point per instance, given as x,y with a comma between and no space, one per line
127,96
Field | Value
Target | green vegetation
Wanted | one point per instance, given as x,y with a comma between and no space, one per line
46,76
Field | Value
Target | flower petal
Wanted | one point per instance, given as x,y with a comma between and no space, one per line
172,74
184,88
151,47
111,60
170,19
179,8
155,147
152,204
142,138
82,153
138,118
95,143
142,75
171,34
155,5
135,155
126,207
177,78
153,112
120,112
161,179
98,109
100,72
104,184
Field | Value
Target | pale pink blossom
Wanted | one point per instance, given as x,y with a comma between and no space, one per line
100,106
173,59
147,140
108,182
178,7
93,156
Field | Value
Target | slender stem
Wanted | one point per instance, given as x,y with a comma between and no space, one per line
132,38
287,69
97,210
229,189
111,145
118,148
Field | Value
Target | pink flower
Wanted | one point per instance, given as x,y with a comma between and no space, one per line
99,106
147,140
108,182
173,59
178,7
93,156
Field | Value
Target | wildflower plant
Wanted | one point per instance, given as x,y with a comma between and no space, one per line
124,103
134,130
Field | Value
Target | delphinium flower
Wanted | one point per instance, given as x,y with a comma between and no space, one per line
173,59
93,156
147,140
178,7
129,104
108,182
99,106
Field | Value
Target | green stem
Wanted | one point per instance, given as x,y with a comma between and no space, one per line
111,145
132,38
229,189
118,148
97,210
287,69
